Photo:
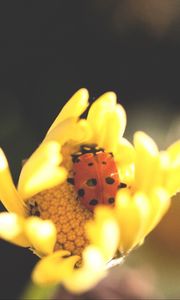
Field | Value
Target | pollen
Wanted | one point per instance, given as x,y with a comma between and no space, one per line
61,205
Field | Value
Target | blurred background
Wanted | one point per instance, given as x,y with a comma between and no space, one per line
50,49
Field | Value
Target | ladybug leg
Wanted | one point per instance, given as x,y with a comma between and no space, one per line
75,158
122,185
70,180
111,154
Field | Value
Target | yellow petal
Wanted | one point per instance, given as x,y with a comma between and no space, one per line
103,231
159,201
12,229
173,180
59,267
91,272
73,108
8,194
97,112
125,153
42,170
146,161
174,152
41,234
54,268
173,173
114,124
70,129
163,164
132,214
126,173
125,160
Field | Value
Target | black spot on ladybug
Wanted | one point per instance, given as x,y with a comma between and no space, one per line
111,200
93,202
91,182
81,192
122,185
109,180
70,180
111,154
90,164
104,162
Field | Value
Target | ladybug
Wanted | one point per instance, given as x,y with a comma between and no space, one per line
96,179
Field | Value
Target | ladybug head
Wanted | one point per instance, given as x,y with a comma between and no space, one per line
90,148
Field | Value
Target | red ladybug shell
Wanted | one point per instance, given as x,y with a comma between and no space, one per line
96,179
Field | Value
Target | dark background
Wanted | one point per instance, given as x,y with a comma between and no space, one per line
49,49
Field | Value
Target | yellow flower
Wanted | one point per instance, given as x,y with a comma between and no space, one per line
156,177
75,244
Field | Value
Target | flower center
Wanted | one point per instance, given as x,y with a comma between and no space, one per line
61,205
